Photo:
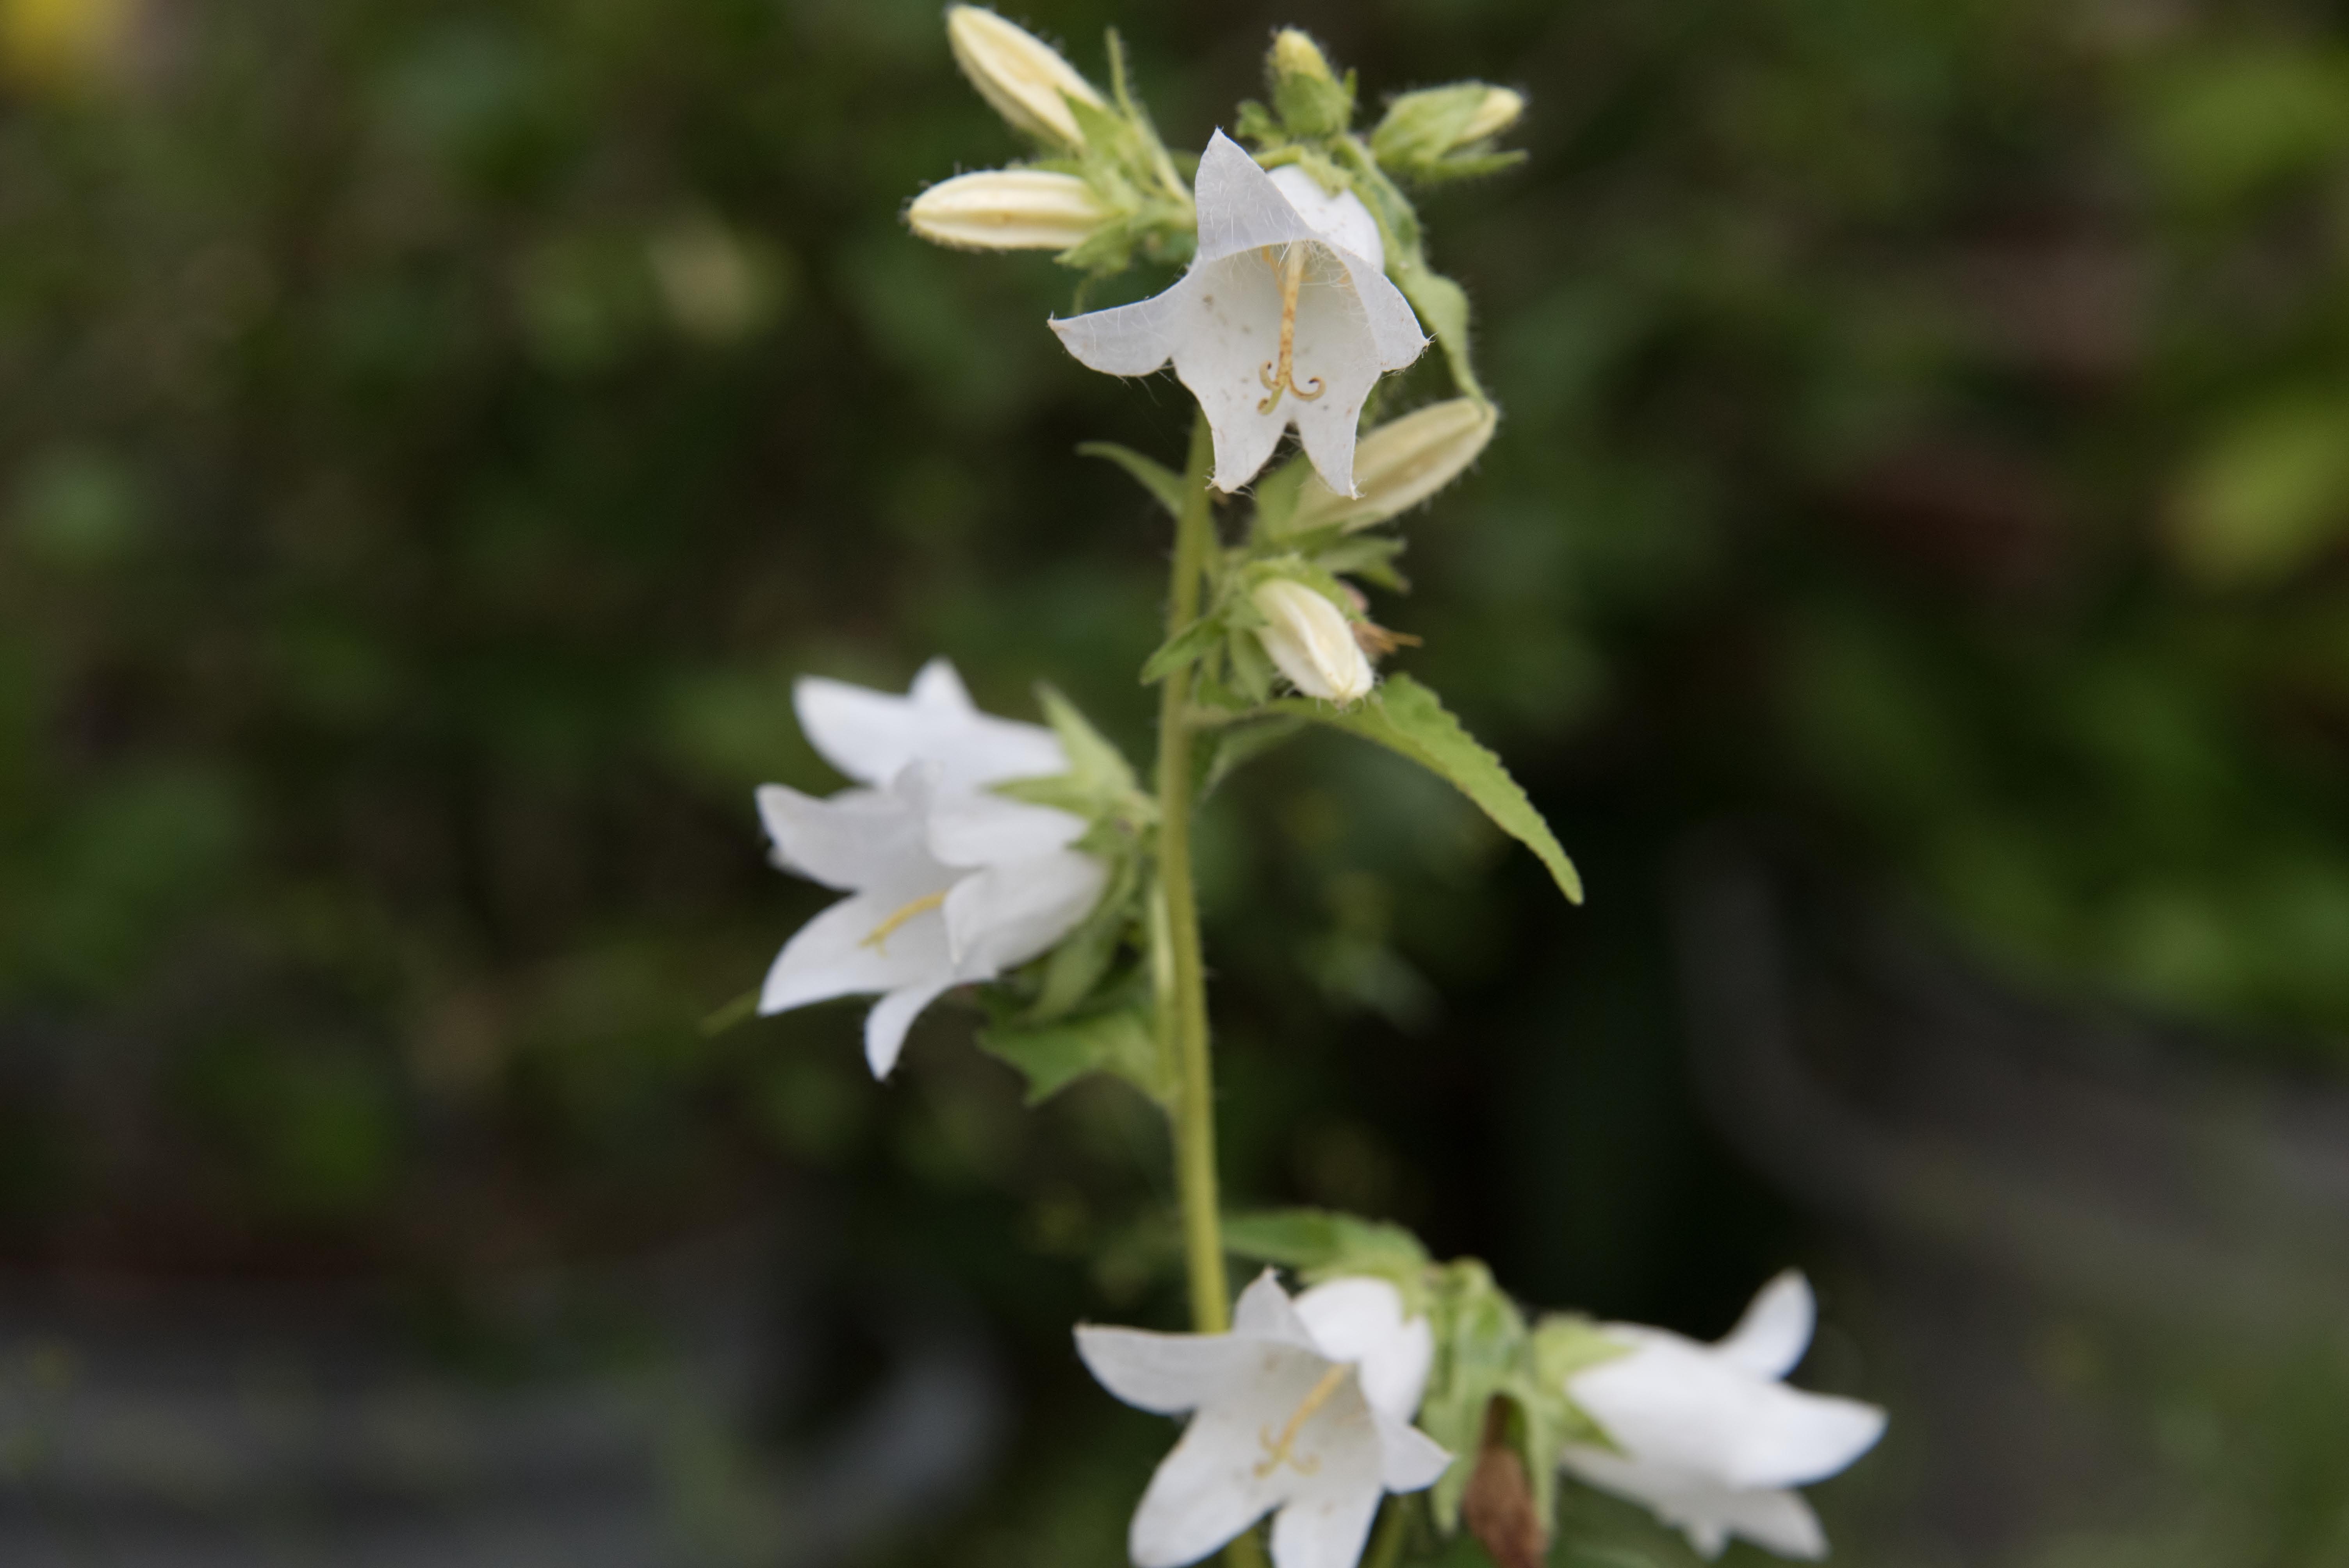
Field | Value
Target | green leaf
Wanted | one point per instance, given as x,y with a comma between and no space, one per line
1163,483
1442,304
1186,646
1120,1042
1321,1243
1404,717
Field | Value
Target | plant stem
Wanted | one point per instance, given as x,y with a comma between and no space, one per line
1194,1096
1386,1545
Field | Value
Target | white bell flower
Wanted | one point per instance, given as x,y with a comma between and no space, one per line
946,888
1305,1407
1311,641
1709,1438
1285,317
873,736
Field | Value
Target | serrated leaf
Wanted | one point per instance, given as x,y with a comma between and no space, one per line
1120,1042
1164,484
1185,647
1406,717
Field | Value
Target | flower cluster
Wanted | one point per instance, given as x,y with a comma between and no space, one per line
1028,865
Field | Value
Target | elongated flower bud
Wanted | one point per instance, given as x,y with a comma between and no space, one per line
1312,642
1501,109
1400,464
1022,77
1007,209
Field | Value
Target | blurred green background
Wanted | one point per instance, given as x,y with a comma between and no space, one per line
437,433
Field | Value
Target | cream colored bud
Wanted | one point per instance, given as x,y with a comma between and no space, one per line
1311,640
1501,109
1400,464
1007,209
1022,77
1293,53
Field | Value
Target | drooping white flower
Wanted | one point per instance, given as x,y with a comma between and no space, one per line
1285,317
1311,641
873,736
1710,1438
1304,1407
945,887
948,884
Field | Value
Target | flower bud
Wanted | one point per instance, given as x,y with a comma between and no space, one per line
1007,209
1022,78
1311,640
1500,109
1312,100
1400,464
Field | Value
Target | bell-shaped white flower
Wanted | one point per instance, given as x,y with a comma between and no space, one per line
1285,317
873,736
948,884
1311,641
1709,1438
945,887
1305,1407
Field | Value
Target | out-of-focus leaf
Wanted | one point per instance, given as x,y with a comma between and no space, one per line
2268,495
1121,1042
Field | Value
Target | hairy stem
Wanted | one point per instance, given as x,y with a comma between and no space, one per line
1195,1097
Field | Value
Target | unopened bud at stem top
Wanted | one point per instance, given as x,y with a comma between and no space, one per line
1500,109
1312,642
1022,78
1007,209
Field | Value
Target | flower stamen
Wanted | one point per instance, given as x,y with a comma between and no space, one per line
878,938
1281,377
1279,1452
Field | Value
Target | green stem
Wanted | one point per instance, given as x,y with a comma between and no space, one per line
1386,1546
1194,1094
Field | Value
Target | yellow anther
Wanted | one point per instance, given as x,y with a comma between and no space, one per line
1277,1451
880,933
1281,377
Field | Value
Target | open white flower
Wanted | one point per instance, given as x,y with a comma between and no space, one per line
874,735
1710,1438
1285,317
1305,1407
945,887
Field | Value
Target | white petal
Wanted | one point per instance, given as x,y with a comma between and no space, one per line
1709,1511
982,830
1264,1311
1240,206
833,955
1224,331
1678,1404
1362,1320
1409,1459
857,839
872,736
1206,1490
1347,336
1338,217
1000,918
1775,1330
886,1026
1127,339
1324,1527
1165,1374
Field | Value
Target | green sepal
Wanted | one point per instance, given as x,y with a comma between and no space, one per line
1164,484
1312,105
1253,671
1275,495
1092,760
1121,1041
1406,717
1480,1354
1368,556
1075,969
1186,646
